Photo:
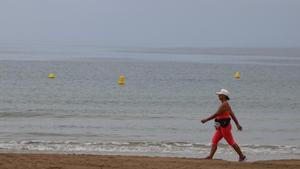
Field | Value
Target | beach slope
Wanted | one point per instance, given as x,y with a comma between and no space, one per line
58,161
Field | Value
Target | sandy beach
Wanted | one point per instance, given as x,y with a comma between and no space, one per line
59,161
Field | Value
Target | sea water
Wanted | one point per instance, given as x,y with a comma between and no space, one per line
159,110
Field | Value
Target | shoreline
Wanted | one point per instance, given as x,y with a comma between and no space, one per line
231,156
87,161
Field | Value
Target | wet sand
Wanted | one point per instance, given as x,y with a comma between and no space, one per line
59,161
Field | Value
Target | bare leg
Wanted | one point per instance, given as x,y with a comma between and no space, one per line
212,151
238,150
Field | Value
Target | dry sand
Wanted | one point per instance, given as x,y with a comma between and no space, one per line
58,161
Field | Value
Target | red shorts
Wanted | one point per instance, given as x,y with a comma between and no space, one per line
223,132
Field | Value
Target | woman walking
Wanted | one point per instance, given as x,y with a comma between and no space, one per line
223,126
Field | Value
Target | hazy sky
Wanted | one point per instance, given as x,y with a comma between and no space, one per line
152,23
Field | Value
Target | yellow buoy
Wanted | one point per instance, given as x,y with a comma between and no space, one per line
51,75
237,75
121,80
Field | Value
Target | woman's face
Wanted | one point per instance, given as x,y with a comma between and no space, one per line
221,97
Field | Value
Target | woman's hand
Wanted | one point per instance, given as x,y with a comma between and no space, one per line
204,120
239,127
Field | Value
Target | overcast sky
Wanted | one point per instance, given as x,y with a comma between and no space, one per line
152,23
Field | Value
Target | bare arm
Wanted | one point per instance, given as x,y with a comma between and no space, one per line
220,110
238,126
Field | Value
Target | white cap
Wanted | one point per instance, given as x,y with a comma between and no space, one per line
224,92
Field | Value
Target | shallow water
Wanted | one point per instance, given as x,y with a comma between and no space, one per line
157,112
